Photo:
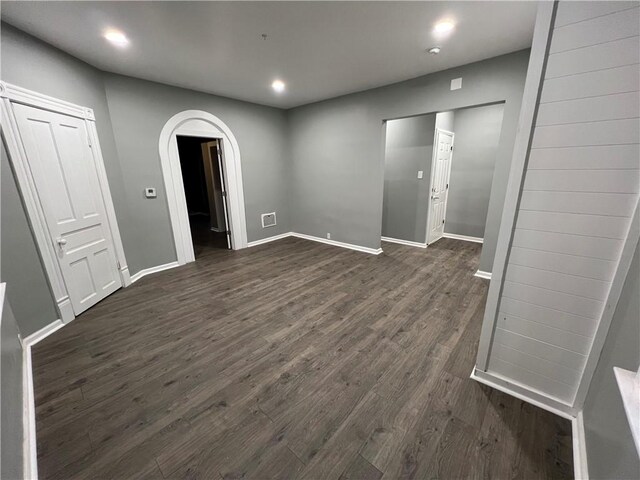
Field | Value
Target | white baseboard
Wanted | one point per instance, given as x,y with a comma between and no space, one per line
335,243
125,275
66,310
29,447
316,239
29,443
482,274
580,466
404,242
534,398
262,241
43,333
466,238
148,271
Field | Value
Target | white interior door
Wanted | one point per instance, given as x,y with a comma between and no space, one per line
224,192
440,185
214,186
61,163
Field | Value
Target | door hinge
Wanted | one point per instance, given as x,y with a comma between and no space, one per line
447,186
451,148
118,264
228,232
443,221
224,194
89,141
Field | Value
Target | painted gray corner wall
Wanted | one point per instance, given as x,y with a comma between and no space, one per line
611,452
334,182
27,286
11,414
140,109
30,63
477,138
408,148
133,162
337,152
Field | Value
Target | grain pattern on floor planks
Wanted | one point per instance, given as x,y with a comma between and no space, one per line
289,360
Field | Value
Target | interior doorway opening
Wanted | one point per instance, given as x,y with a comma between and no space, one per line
205,192
438,176
198,123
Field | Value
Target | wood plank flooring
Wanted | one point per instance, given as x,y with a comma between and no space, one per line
293,359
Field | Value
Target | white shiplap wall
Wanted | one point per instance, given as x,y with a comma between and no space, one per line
580,188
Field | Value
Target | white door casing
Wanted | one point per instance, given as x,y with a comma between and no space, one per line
439,191
47,138
197,123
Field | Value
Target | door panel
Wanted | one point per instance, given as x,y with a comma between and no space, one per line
61,163
440,185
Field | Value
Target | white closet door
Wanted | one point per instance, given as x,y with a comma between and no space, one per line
440,185
64,173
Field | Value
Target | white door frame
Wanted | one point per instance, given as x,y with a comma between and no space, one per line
197,123
436,134
11,94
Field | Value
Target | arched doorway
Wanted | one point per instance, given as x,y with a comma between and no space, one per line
198,123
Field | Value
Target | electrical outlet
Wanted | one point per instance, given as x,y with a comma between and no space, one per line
328,236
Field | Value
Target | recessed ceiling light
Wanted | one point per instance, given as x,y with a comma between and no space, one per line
278,86
434,50
116,37
444,27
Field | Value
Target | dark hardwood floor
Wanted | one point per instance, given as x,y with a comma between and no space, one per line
204,239
289,360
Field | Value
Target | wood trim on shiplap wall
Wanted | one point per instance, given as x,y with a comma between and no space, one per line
575,208
530,97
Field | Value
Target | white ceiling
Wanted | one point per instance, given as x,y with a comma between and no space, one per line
320,49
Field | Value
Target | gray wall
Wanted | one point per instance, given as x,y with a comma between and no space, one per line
611,452
11,433
27,285
477,139
408,148
337,149
140,109
329,180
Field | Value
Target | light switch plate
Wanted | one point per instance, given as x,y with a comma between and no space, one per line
150,192
456,83
419,173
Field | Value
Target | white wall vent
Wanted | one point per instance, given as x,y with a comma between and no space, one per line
268,219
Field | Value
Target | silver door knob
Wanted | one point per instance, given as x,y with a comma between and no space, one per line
61,241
